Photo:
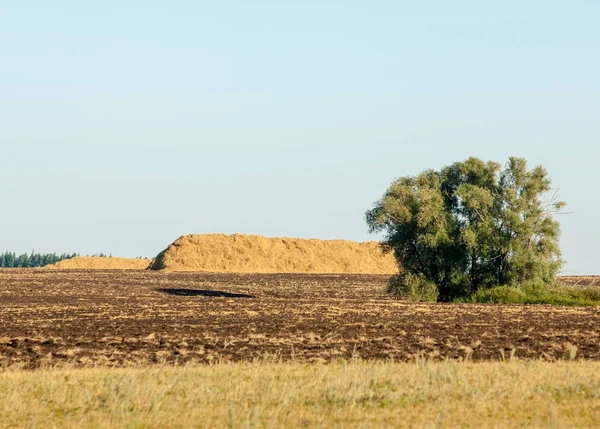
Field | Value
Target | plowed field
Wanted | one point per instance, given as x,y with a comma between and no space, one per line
120,318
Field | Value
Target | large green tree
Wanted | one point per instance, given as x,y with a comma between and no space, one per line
472,225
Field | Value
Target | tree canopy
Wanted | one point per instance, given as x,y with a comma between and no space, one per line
472,225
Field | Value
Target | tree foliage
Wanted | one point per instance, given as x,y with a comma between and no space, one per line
472,225
11,260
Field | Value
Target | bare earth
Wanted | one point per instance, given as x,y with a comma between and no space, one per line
120,318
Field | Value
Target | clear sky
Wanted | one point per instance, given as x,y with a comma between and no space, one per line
125,124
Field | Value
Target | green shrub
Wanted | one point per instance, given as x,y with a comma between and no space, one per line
499,295
591,293
538,293
414,287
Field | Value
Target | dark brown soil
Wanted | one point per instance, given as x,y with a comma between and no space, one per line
139,317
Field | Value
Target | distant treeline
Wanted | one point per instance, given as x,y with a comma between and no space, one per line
11,260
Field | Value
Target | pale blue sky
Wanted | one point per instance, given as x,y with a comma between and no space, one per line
124,125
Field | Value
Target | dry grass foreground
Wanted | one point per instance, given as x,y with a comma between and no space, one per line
99,263
294,395
255,254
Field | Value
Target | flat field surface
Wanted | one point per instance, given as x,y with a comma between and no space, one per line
123,318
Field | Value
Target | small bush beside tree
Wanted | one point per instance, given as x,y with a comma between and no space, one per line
471,226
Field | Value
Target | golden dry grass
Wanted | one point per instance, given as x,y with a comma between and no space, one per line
100,263
294,395
255,254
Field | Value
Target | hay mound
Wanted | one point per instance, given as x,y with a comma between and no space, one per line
256,254
98,263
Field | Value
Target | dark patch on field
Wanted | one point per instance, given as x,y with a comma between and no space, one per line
196,292
127,318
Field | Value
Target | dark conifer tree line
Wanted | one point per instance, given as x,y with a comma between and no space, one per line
12,260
